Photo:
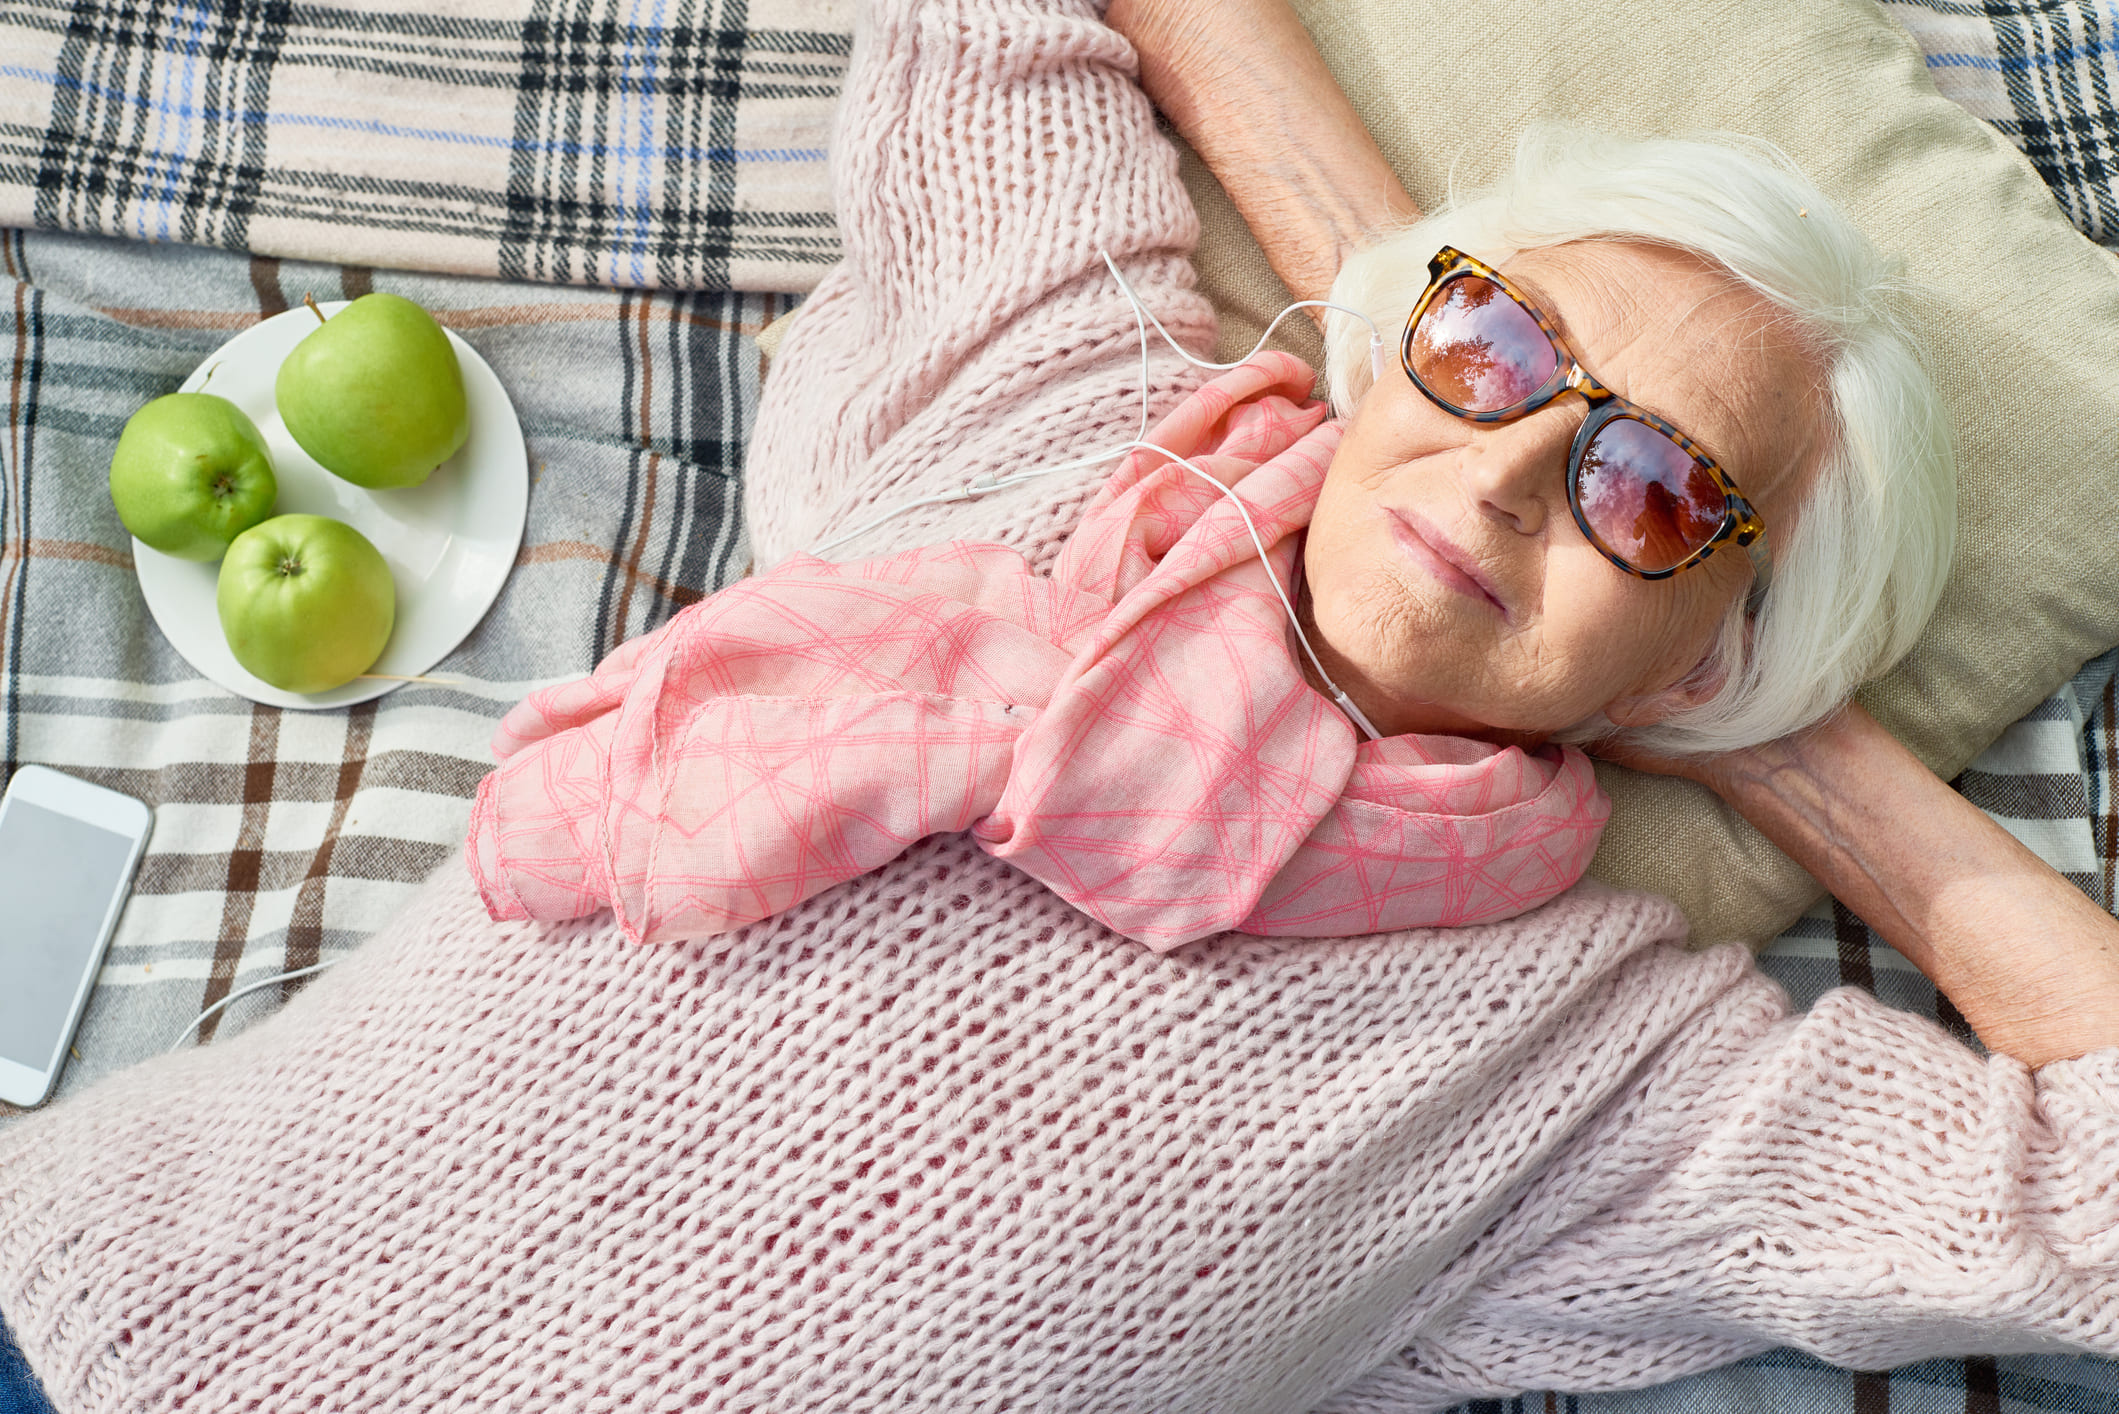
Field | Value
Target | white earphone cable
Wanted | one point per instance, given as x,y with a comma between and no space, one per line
1139,309
1345,703
1142,317
200,1019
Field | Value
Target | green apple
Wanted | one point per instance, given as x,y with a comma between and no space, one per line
306,601
190,474
374,393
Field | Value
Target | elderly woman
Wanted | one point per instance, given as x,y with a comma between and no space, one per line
932,1139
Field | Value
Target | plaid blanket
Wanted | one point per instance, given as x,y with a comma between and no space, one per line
282,837
678,145
285,837
2045,73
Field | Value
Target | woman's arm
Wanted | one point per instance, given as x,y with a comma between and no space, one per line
1851,1181
1242,82
2031,962
985,157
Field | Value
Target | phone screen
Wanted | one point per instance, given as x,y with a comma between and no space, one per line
57,877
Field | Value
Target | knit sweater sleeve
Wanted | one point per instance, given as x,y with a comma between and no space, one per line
985,154
1853,1181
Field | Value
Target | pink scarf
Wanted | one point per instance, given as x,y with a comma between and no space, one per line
1134,731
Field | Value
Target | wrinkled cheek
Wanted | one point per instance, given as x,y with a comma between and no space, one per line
1592,658
1372,620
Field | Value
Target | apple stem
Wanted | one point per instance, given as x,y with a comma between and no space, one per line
310,300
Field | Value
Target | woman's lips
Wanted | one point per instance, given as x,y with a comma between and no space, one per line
1432,550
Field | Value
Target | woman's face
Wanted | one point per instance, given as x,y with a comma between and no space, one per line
1446,578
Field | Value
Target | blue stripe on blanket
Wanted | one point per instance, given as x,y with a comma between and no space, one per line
188,112
2044,59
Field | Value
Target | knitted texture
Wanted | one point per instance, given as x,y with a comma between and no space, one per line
983,161
934,1140
1133,730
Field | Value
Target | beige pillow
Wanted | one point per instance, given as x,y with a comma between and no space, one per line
2025,327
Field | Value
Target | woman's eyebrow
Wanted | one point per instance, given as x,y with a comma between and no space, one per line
1547,305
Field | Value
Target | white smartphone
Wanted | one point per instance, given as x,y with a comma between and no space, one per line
67,854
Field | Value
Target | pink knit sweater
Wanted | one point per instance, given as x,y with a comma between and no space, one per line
933,1140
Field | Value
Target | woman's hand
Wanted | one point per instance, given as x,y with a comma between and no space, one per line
2030,961
1242,82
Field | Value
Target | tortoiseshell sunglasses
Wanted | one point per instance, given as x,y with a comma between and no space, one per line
1645,495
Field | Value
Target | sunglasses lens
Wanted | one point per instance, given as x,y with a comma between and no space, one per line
1646,498
1478,350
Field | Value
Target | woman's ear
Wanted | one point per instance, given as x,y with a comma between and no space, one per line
1692,690
1627,712
1647,709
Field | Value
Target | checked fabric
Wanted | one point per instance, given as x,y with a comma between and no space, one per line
673,145
1134,731
2045,75
283,838
679,145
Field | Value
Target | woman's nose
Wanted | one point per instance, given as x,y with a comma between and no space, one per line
1516,471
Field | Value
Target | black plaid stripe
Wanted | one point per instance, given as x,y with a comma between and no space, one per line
2056,62
2100,745
2060,86
680,527
703,426
584,64
105,162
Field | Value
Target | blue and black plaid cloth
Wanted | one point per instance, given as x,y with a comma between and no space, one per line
673,146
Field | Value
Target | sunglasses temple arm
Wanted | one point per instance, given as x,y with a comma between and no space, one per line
1761,573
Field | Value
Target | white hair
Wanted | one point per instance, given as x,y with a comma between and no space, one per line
1857,574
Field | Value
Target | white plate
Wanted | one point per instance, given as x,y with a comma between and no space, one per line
450,541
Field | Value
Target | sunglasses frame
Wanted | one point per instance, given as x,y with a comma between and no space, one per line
1740,519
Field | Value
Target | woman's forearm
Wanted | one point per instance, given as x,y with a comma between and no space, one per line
2030,961
1242,82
